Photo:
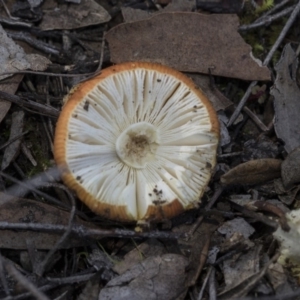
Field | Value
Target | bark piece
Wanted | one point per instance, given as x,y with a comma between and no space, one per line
287,100
174,39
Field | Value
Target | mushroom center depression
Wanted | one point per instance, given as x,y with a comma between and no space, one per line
136,146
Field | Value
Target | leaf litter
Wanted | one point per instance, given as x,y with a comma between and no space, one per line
262,173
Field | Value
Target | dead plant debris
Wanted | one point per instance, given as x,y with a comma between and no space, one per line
54,247
216,48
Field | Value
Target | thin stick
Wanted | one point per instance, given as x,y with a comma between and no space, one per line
23,281
42,266
13,139
267,20
255,119
266,62
273,9
31,105
82,231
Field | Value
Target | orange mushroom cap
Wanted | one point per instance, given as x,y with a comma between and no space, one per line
137,142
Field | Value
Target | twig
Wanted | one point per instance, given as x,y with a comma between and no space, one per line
84,232
7,11
200,295
285,296
255,119
238,153
67,68
71,279
28,154
23,281
23,187
273,9
212,285
266,62
41,268
14,22
13,139
3,278
212,201
267,20
29,105
102,51
37,44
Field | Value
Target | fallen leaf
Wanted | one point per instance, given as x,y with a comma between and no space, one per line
72,16
13,58
290,171
18,210
196,247
253,172
286,100
151,247
13,149
237,225
174,39
180,5
238,269
157,277
132,15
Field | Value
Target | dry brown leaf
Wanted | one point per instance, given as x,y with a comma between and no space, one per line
157,277
13,149
72,16
174,39
253,172
28,211
286,100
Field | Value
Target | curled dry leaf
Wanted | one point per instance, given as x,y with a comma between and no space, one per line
72,16
286,100
253,172
174,39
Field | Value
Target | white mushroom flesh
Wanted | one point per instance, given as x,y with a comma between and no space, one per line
141,137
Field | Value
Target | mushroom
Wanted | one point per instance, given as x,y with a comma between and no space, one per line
137,142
